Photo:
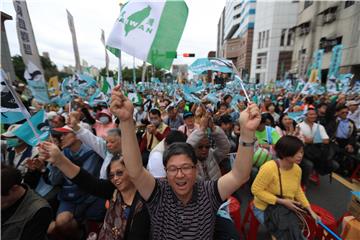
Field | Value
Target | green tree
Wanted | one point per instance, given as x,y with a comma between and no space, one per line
19,67
50,69
103,72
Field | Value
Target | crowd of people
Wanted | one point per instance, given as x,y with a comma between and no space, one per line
161,169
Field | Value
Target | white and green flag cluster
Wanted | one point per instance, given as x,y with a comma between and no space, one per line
150,30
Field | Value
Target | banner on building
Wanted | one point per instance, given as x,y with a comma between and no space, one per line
75,45
34,73
335,61
315,70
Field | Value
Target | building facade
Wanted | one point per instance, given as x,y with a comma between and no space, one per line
235,33
220,35
273,40
323,25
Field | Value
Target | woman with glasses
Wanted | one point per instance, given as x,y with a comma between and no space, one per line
181,207
126,217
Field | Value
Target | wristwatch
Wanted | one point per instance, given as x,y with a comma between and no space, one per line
247,144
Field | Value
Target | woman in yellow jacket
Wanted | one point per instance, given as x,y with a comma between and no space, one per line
266,187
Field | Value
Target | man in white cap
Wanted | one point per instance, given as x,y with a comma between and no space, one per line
354,112
17,151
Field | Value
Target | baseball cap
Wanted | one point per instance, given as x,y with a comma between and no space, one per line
352,102
64,129
187,114
10,132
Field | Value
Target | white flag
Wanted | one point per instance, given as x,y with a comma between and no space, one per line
75,46
34,73
150,30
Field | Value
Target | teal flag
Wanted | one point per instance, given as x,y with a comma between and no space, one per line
296,116
335,61
317,63
41,126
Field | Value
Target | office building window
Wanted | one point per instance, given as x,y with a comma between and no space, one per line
237,6
257,78
259,41
261,60
282,37
237,16
267,38
307,3
349,3
328,44
263,39
290,38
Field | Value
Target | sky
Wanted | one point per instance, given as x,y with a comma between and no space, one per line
52,34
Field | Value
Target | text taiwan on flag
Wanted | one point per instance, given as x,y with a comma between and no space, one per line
150,30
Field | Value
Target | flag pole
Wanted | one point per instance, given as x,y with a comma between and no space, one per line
241,83
143,72
22,108
134,72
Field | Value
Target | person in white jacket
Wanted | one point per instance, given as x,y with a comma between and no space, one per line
106,148
155,164
209,158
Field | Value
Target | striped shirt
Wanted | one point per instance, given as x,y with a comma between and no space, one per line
170,219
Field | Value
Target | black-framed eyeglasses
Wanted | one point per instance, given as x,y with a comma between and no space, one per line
117,173
185,169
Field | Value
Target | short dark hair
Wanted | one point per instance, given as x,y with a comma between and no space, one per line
179,148
271,104
321,104
10,177
155,111
309,100
116,157
340,107
288,146
227,96
267,116
170,108
175,136
225,119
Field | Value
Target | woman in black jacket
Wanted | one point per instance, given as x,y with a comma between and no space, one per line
126,217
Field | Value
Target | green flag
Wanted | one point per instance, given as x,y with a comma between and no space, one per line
150,30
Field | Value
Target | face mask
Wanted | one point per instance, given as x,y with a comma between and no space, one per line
13,142
155,122
271,108
104,120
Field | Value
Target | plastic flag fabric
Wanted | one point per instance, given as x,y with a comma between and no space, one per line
10,110
41,125
150,30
